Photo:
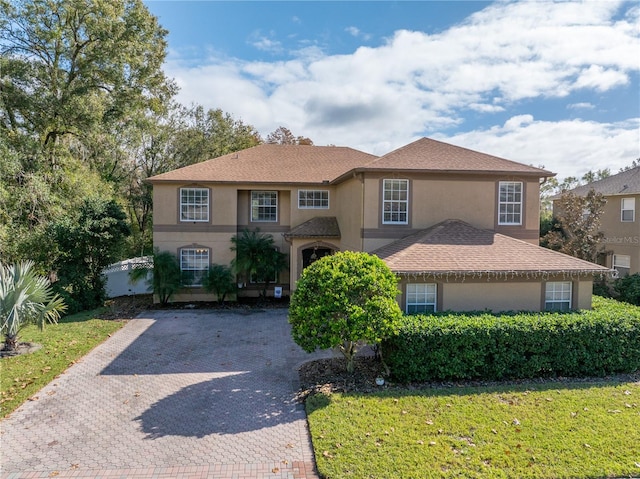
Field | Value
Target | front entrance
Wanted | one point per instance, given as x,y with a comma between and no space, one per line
310,255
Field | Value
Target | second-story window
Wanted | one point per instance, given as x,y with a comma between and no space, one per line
264,206
313,199
628,209
194,204
510,203
395,202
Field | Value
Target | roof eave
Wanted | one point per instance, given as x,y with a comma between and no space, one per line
540,174
508,273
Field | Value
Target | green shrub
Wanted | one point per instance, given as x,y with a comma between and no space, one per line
220,281
342,300
450,346
628,289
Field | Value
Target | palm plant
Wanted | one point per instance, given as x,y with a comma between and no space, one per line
257,257
167,276
25,298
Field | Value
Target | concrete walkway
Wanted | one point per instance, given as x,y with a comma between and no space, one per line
173,394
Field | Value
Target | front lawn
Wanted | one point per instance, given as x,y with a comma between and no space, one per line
537,430
62,345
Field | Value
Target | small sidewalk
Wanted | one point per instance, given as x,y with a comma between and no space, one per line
173,394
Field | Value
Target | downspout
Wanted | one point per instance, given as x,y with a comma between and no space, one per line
362,211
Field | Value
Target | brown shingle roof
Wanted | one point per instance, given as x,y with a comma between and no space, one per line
273,164
431,155
318,227
454,246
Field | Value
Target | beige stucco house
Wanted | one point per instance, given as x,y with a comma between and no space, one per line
620,221
459,227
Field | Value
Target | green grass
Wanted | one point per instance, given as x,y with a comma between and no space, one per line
539,430
62,345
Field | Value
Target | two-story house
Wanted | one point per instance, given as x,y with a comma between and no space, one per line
620,221
460,228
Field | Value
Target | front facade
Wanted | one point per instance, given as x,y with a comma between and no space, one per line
315,201
620,220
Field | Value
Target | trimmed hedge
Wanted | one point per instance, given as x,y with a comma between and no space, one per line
450,346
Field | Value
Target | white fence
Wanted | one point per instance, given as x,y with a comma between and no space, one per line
117,275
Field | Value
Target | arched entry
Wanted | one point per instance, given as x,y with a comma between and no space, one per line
311,252
310,255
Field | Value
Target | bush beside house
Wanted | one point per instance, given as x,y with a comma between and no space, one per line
449,346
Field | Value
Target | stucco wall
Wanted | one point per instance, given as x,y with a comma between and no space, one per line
349,207
621,237
499,295
437,197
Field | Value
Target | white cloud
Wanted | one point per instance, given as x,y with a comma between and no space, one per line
353,31
418,84
568,148
581,106
268,45
357,33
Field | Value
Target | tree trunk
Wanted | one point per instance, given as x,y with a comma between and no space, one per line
348,349
11,342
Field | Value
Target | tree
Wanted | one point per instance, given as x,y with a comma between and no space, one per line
257,258
342,300
283,136
210,134
85,245
591,176
576,230
634,164
76,75
25,298
166,275
220,281
71,66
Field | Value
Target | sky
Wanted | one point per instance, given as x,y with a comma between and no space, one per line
552,84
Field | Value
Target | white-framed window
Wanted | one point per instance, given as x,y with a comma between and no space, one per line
395,202
622,264
557,296
194,263
264,206
510,203
421,298
628,209
313,199
194,204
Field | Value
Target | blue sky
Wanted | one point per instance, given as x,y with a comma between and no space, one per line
543,83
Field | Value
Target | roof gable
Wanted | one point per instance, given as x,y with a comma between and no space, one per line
456,247
426,154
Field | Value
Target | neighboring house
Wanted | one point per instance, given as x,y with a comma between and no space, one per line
459,227
620,220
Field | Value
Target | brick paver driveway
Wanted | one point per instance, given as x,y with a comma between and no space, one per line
174,394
